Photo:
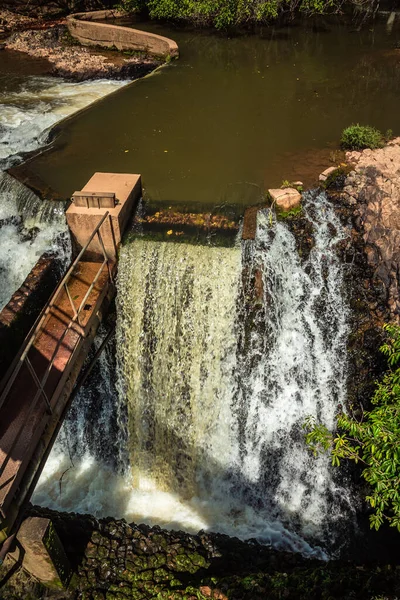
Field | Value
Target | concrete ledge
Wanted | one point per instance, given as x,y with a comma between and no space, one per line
85,28
44,557
82,220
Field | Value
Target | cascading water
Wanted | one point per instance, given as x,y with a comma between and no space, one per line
296,368
27,113
28,226
221,355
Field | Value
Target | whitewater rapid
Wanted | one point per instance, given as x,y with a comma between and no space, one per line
29,226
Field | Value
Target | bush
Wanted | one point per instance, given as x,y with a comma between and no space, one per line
374,441
358,137
226,14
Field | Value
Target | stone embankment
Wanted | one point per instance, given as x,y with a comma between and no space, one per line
116,561
77,62
372,190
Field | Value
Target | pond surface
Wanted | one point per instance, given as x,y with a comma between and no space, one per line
234,116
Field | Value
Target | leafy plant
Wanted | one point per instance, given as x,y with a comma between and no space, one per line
225,14
374,441
358,137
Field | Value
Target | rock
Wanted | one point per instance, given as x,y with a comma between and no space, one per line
327,173
285,199
77,62
373,188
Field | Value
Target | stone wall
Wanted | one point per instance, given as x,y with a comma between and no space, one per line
88,31
18,316
116,561
372,189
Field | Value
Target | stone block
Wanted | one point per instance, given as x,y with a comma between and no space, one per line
286,198
327,173
82,220
250,223
44,555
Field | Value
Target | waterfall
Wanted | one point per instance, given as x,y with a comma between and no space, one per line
29,226
221,354
292,364
28,110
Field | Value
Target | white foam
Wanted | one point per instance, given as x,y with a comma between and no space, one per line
25,118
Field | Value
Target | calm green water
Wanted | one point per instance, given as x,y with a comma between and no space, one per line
234,116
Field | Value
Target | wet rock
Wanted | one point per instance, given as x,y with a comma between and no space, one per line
326,174
286,198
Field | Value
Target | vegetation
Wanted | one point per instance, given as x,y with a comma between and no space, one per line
224,14
373,441
292,184
358,137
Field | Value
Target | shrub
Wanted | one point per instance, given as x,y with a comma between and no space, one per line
226,14
358,137
374,441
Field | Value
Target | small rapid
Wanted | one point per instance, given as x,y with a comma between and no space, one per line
29,226
221,354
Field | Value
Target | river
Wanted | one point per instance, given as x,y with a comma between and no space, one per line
192,421
234,116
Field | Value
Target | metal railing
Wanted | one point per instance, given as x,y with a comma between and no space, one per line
24,359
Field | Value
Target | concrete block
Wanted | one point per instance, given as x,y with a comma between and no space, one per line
85,28
44,556
82,220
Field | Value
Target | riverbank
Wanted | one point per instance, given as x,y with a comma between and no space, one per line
70,60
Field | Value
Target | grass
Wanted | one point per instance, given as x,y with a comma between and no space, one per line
358,137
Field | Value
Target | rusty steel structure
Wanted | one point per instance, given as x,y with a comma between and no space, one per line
37,389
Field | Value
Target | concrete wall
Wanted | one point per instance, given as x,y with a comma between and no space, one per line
88,31
18,316
82,220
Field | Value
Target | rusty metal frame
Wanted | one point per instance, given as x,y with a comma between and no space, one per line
80,331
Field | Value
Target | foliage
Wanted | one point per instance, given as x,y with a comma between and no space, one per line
357,137
374,441
225,14
290,184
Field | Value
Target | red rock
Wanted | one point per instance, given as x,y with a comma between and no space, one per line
285,199
327,173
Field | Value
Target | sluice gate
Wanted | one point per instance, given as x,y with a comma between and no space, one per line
36,391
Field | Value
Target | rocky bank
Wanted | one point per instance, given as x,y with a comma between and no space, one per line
372,190
70,60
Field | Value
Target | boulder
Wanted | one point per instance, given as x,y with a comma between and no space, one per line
286,198
327,173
